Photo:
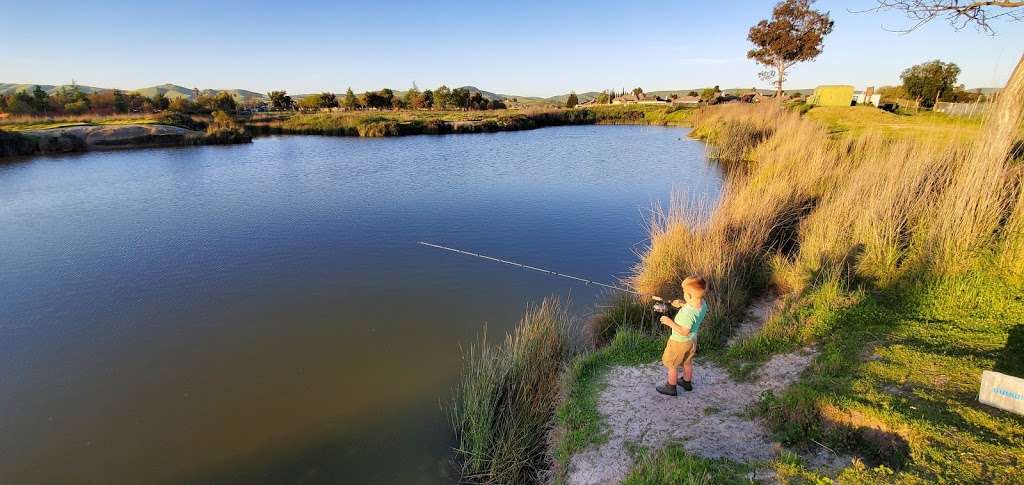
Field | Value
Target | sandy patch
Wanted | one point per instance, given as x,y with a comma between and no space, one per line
709,421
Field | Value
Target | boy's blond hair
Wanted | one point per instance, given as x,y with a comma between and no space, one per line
696,286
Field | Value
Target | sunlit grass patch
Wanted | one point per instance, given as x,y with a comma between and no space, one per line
673,464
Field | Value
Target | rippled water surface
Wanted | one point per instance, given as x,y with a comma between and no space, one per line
261,313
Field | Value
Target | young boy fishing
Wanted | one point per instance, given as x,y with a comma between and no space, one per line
680,348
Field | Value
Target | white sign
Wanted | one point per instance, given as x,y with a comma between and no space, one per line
1002,391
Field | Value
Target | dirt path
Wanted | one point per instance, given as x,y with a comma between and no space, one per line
707,422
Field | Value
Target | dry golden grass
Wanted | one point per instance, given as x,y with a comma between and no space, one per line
806,206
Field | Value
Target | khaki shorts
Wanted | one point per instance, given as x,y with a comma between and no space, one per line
678,353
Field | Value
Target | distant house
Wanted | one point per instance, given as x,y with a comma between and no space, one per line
752,96
634,99
685,100
832,95
868,96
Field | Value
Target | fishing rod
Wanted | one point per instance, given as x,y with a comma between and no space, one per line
661,306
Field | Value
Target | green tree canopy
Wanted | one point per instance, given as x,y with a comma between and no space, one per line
930,80
795,33
349,102
328,100
40,100
442,97
280,101
572,101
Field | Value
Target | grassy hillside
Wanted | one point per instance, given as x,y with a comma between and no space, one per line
172,91
49,88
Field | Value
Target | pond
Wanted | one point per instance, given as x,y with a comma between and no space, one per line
262,312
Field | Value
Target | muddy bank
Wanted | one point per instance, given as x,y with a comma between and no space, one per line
107,137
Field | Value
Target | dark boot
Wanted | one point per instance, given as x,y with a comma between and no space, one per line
667,389
686,385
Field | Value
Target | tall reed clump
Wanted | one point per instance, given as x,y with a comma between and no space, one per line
503,407
982,186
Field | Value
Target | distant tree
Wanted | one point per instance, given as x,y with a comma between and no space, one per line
693,94
120,102
21,103
160,102
442,97
795,33
460,98
387,98
425,100
637,92
496,104
477,101
40,100
280,101
930,81
375,100
136,102
409,98
349,102
958,13
225,102
328,100
572,101
603,98
709,94
3,103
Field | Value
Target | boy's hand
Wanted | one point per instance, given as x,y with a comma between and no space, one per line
678,303
666,321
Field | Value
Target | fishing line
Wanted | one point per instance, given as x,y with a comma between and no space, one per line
532,268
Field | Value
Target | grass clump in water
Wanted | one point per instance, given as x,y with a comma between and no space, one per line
506,399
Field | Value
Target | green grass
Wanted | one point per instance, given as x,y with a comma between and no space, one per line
897,381
506,398
36,123
674,465
412,122
578,422
856,120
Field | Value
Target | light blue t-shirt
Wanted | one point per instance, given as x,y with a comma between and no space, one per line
690,318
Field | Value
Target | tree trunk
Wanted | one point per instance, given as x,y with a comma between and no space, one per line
781,70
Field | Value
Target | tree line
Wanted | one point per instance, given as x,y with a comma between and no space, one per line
442,98
71,100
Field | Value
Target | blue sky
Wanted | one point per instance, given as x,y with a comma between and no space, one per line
536,48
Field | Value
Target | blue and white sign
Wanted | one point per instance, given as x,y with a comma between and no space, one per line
1002,391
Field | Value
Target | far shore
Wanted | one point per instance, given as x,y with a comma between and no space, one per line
48,136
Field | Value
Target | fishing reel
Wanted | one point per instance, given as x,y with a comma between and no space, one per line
663,307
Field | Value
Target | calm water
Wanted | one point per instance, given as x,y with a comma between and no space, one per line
261,313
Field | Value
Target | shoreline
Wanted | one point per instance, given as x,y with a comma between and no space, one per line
92,137
110,137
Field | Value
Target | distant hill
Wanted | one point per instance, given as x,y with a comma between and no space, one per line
7,88
172,91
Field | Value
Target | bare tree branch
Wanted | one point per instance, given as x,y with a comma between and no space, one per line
958,13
